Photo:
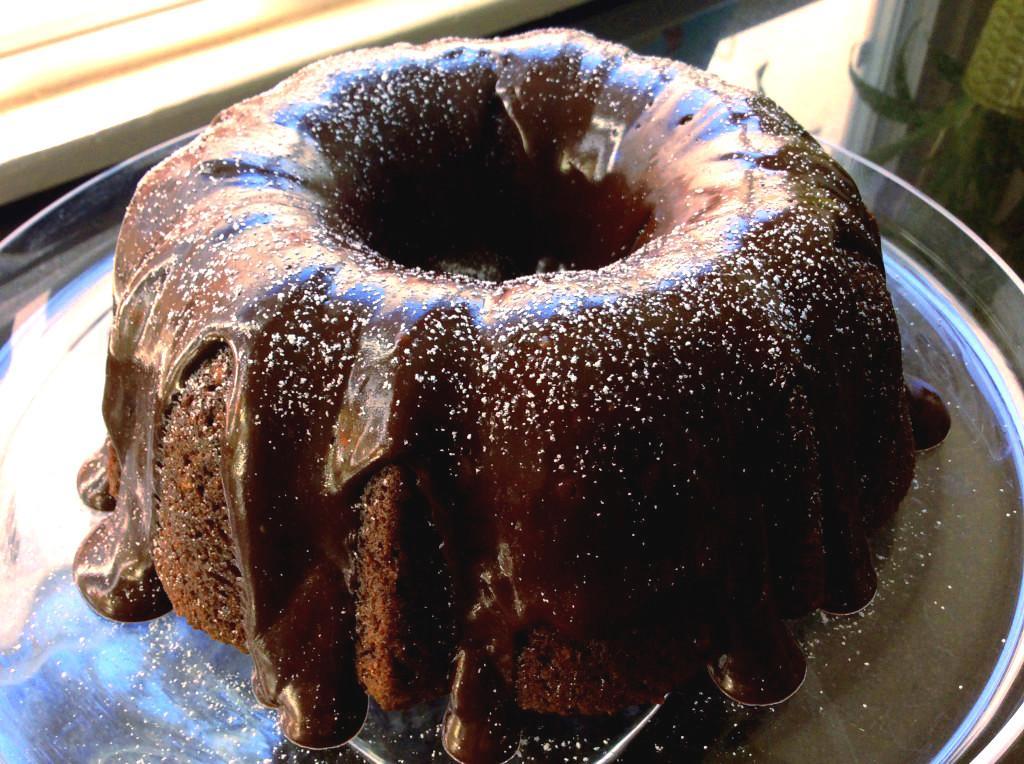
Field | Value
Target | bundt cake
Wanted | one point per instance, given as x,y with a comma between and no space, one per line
528,370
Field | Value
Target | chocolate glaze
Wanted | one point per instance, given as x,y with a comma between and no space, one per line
692,416
928,414
92,482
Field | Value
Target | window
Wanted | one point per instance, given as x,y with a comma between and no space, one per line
82,87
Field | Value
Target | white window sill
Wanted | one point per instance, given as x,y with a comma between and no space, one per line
71,126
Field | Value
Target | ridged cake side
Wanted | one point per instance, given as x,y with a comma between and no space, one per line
682,436
405,637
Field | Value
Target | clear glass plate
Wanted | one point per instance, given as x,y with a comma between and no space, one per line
931,670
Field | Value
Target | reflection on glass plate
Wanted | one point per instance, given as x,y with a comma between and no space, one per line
928,671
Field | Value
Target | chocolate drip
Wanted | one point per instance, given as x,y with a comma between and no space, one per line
928,413
685,422
93,486
481,723
114,570
764,664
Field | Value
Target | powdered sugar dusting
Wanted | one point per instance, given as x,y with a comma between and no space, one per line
606,307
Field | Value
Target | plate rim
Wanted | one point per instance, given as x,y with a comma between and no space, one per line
1011,730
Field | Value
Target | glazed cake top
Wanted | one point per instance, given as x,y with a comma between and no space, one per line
583,294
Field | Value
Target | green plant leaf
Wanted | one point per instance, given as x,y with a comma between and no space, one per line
890,107
960,176
934,123
991,172
929,129
760,77
949,68
901,80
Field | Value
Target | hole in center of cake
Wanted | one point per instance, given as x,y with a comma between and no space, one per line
498,210
472,221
